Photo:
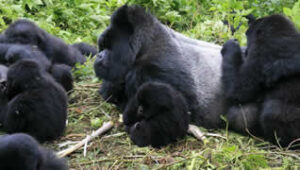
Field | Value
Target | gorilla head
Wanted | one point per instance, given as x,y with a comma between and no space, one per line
268,31
156,120
120,43
21,52
22,152
24,32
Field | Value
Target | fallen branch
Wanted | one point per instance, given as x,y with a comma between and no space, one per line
105,127
195,131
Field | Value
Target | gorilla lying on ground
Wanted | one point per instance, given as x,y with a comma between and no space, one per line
21,152
136,49
264,89
26,32
37,105
11,53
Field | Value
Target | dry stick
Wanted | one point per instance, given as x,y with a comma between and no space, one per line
195,131
105,127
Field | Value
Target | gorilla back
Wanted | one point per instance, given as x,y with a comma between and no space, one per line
136,48
37,104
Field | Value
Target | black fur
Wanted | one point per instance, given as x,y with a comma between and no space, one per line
149,116
85,49
37,104
114,93
136,48
267,80
63,75
3,83
21,152
21,52
26,32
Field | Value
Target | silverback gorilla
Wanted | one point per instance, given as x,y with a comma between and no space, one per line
21,152
264,88
139,54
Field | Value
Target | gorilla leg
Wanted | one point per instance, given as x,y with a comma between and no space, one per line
244,118
280,121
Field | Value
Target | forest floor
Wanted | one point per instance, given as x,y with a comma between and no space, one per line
114,149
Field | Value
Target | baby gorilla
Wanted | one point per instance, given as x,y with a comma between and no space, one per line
157,116
26,32
37,104
21,152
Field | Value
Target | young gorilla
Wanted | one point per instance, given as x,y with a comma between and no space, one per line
26,32
21,52
11,53
37,104
136,48
85,49
21,152
63,75
266,83
148,117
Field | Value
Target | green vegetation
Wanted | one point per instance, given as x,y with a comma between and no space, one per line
84,20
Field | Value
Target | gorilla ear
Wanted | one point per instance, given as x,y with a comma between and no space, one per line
251,19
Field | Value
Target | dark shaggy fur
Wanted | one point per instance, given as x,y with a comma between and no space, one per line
148,117
21,152
136,48
63,75
85,49
37,104
26,32
266,84
21,52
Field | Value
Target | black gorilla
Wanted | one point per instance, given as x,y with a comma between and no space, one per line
3,97
21,152
26,32
149,116
37,104
63,75
85,49
11,53
20,52
136,48
114,93
264,88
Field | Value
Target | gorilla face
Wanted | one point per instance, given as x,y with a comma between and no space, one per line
116,55
117,49
140,133
24,32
